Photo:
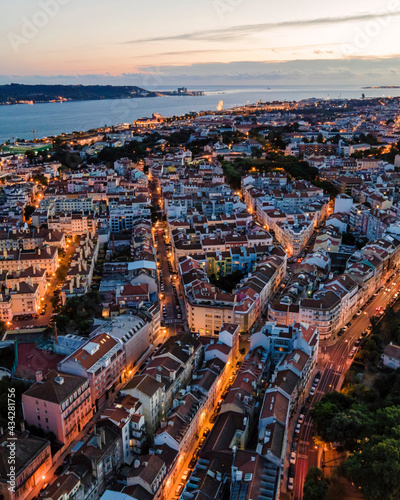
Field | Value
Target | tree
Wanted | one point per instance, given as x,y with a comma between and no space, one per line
320,138
350,427
375,469
326,410
29,209
3,327
41,179
315,485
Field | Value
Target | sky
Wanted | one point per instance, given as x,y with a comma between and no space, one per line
159,43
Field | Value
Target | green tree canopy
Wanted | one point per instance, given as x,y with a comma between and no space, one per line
376,470
315,485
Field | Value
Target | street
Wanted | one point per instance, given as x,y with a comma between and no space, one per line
336,359
52,281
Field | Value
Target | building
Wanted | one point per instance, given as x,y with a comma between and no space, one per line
101,360
391,356
32,462
60,404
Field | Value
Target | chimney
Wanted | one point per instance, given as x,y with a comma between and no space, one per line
102,434
39,376
17,286
39,251
55,333
71,285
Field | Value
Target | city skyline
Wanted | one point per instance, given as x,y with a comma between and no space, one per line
216,42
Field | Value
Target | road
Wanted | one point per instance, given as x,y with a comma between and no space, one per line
172,323
336,360
52,281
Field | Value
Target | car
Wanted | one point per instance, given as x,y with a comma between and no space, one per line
309,398
357,342
300,420
192,463
179,489
346,327
364,334
312,391
197,451
202,441
297,428
315,382
359,312
66,458
290,483
59,470
340,332
185,475
293,457
351,355
294,446
206,432
213,418
179,316
291,471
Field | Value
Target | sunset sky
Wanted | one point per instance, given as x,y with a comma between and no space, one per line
195,42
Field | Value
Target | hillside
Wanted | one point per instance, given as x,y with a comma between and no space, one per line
16,93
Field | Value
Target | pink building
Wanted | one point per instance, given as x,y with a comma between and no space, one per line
60,404
101,360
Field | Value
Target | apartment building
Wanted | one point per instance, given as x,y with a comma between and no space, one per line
42,258
33,460
60,404
101,360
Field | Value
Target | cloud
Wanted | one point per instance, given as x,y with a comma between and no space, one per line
360,71
245,30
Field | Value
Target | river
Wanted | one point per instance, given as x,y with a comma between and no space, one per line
19,121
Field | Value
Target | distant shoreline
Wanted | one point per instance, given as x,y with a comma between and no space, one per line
383,87
15,93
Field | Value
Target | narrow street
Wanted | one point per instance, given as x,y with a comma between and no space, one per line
52,281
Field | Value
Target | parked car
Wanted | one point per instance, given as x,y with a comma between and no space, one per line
179,489
293,457
297,428
301,418
185,475
312,391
